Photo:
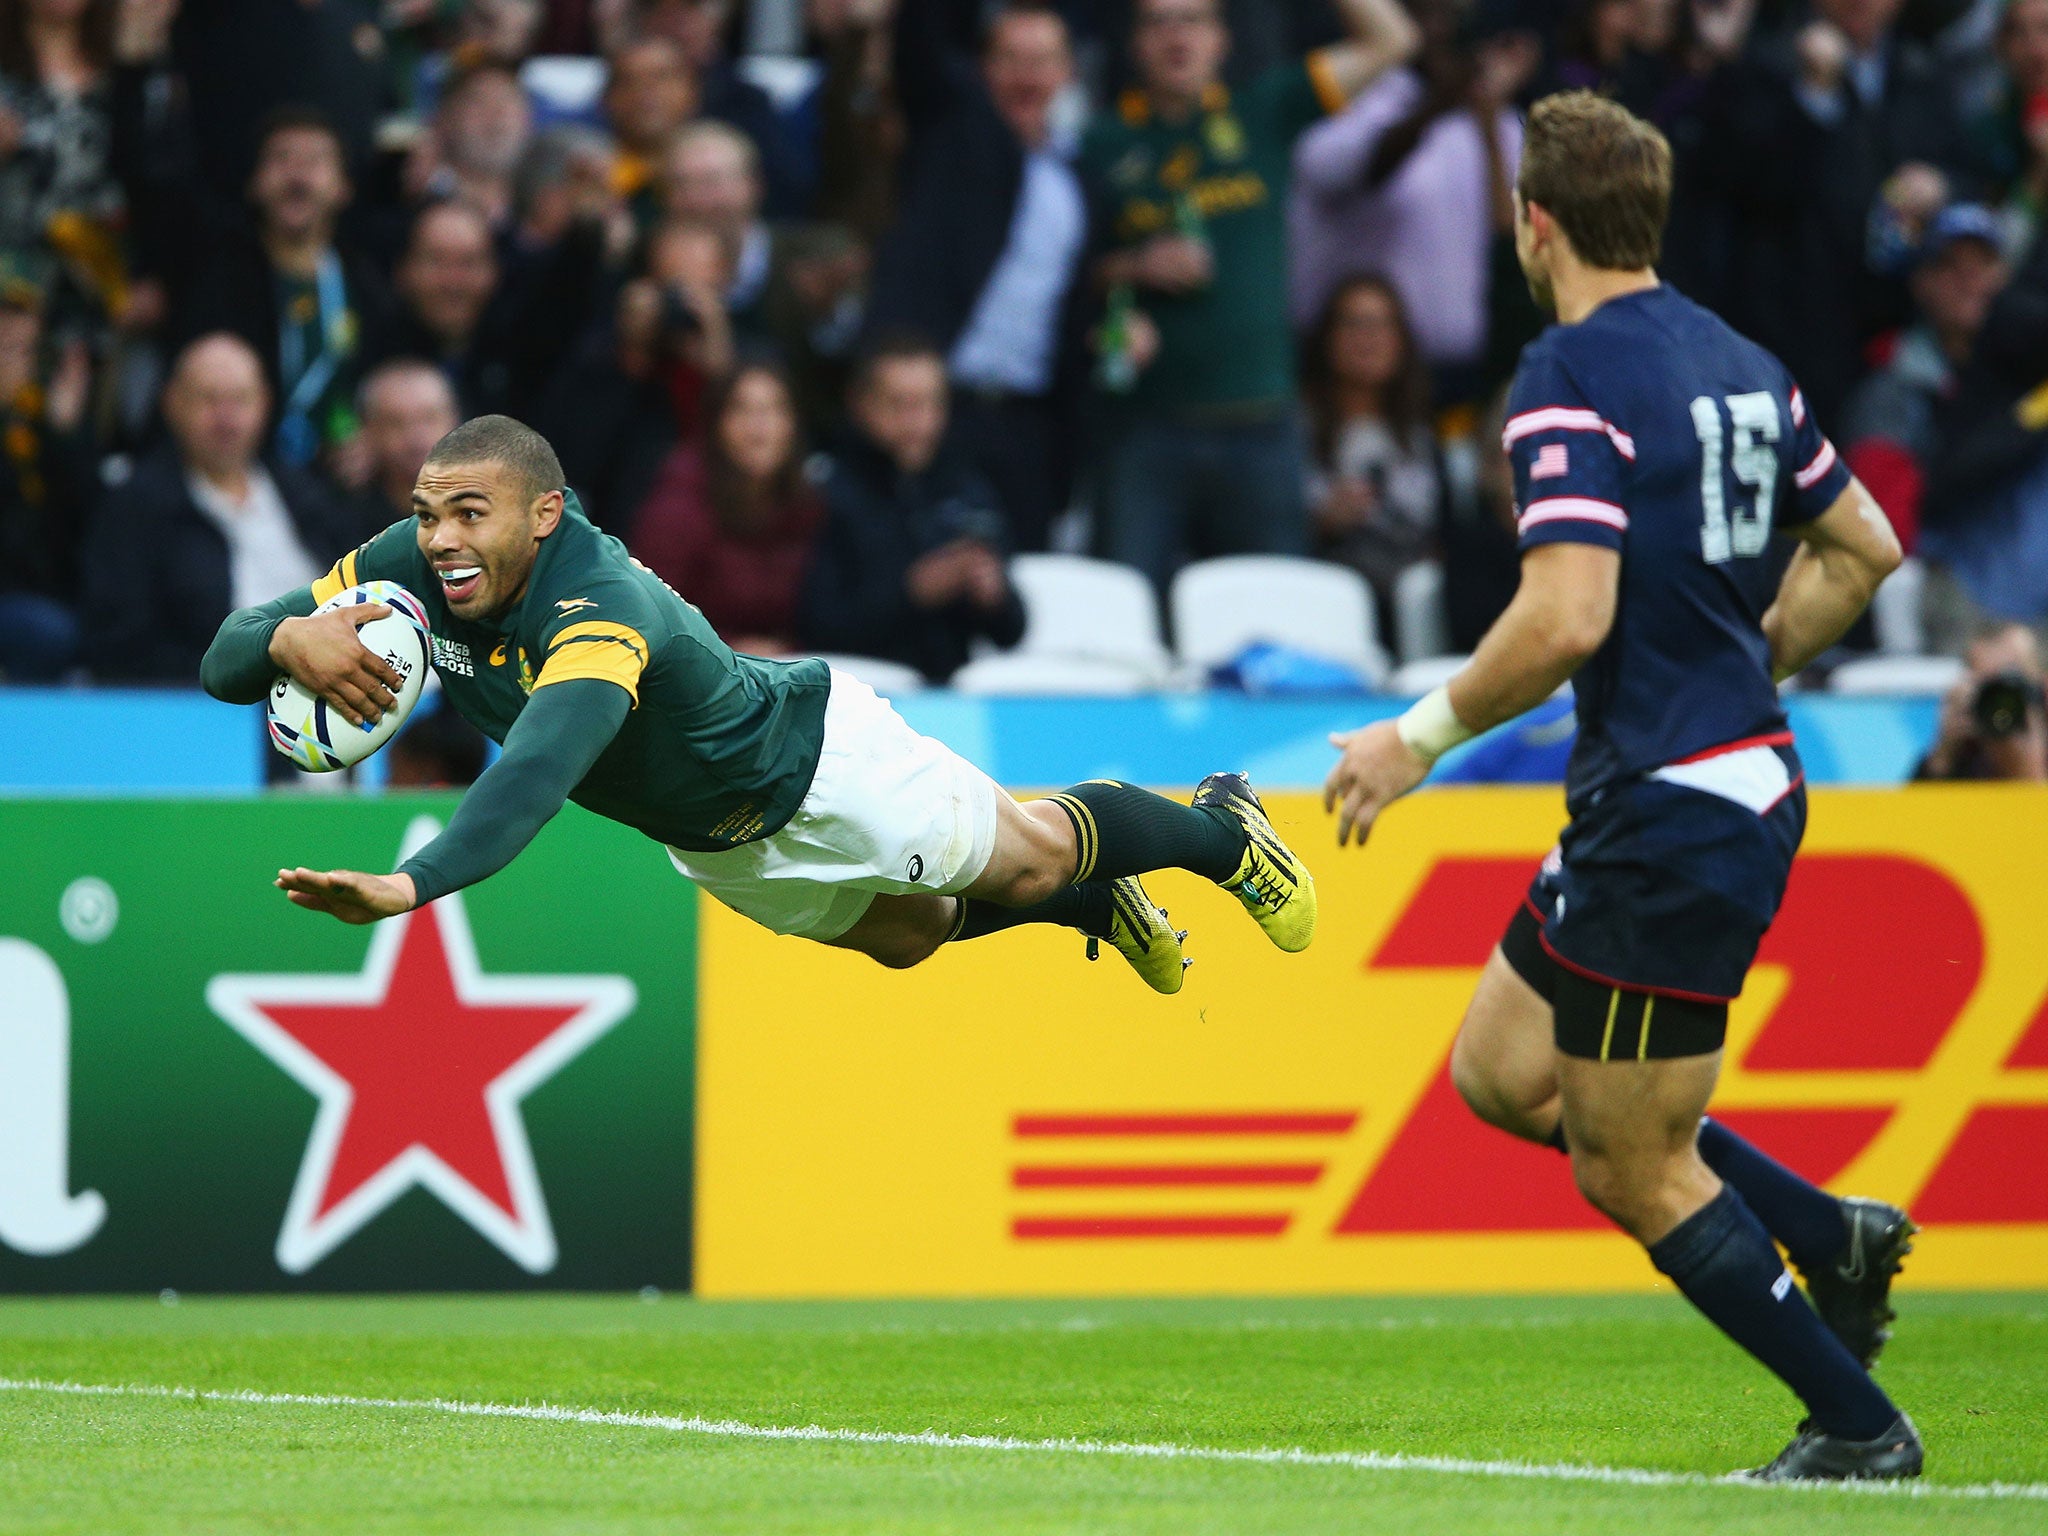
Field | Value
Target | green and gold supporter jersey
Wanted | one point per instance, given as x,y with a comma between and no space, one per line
1228,166
719,748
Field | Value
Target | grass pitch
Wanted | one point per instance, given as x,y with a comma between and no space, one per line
1610,1382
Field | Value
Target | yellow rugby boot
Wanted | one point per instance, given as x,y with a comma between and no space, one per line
1139,930
1274,885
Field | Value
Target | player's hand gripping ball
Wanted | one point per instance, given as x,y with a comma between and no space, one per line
317,736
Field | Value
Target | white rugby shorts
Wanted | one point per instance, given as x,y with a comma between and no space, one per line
889,812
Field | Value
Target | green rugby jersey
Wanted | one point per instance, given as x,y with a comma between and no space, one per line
718,749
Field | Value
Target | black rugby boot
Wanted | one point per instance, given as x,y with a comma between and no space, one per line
1853,1293
1815,1456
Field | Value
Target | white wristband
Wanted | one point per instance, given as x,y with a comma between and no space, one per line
1431,727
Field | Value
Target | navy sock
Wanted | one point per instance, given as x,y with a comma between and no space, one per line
1121,830
1805,1219
1722,1259
1085,907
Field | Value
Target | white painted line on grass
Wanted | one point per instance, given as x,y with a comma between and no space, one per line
734,1429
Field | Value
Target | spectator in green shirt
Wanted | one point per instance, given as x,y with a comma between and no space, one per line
1188,181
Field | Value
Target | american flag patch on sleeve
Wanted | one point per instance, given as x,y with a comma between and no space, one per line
1551,461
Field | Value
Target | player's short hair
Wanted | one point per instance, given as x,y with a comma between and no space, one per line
1603,173
512,445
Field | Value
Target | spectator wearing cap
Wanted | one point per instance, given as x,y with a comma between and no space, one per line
1827,150
45,478
1189,180
313,312
910,562
1891,423
202,526
1414,180
1984,521
986,254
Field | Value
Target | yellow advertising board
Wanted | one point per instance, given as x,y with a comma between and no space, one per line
1007,1120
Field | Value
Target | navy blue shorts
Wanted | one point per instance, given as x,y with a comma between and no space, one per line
1667,883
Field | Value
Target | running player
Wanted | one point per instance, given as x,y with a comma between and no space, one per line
1655,451
787,790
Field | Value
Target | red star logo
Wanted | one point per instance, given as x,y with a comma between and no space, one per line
420,1062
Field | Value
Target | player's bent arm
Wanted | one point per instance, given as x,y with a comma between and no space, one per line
1843,557
558,736
237,668
1560,615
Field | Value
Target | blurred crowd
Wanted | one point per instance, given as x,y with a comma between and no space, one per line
831,306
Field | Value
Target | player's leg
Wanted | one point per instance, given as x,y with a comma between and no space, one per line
1504,1061
1105,829
1030,878
1632,1103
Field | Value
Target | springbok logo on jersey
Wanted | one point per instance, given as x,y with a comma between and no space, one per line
389,1121
572,604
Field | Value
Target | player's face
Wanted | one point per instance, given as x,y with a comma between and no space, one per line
480,534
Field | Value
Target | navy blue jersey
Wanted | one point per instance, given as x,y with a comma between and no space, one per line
1653,429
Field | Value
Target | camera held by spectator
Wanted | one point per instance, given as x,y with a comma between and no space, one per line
1994,721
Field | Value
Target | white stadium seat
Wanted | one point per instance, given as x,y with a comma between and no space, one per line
1025,674
1416,678
891,679
1089,610
1895,611
1894,675
1421,629
1221,606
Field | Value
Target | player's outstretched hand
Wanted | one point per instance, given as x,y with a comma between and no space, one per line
323,653
346,894
1376,769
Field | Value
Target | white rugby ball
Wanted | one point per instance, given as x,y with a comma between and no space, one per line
306,729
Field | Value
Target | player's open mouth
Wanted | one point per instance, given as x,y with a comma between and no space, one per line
460,581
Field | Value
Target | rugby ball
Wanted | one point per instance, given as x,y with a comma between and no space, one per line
320,738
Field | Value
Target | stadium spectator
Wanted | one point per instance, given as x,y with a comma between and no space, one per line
1992,724
201,526
698,28
648,95
1827,151
986,253
637,385
909,564
850,126
1375,487
797,287
407,406
472,149
1415,180
2011,134
445,283
1984,522
1890,424
246,61
731,519
1189,180
45,477
311,311
1482,565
